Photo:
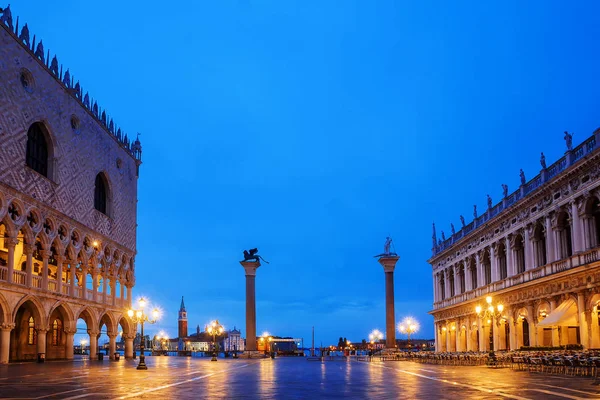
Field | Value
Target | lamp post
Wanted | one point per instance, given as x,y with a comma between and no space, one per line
214,329
490,314
408,326
375,336
141,317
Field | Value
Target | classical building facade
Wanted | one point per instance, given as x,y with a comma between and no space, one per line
536,252
68,194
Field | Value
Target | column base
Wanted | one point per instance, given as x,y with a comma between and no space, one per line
253,354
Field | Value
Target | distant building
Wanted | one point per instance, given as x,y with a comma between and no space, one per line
233,341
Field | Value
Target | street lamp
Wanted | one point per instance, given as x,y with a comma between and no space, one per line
141,317
408,326
214,329
490,314
266,339
82,343
375,335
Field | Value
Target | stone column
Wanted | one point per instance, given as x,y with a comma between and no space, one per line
69,344
550,243
104,284
511,268
72,277
512,325
5,342
45,256
576,228
122,294
482,336
59,270
458,337
28,250
113,289
528,244
250,269
583,325
480,273
389,264
468,280
10,244
129,296
84,273
447,332
437,337
129,346
457,280
496,333
93,343
94,285
435,291
495,273
41,340
468,335
112,345
532,326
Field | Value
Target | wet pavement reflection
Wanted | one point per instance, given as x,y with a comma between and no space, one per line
281,378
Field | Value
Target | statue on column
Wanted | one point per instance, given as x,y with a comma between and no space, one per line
489,201
251,256
462,221
543,161
505,190
569,140
387,248
475,211
522,175
452,229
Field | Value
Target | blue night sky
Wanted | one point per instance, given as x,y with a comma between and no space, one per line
313,129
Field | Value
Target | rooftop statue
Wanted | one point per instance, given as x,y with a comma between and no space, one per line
443,236
475,211
489,201
522,175
251,256
387,252
6,17
543,161
452,229
505,190
569,140
462,221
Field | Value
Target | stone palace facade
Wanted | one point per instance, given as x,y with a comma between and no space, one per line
68,194
536,252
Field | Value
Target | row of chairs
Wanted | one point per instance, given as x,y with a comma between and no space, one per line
573,366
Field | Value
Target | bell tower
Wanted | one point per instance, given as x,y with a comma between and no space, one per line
182,321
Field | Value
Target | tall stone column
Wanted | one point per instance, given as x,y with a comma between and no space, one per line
93,344
70,335
5,342
250,269
28,249
10,244
59,270
583,322
45,256
112,345
389,264
129,346
72,278
577,244
437,336
41,340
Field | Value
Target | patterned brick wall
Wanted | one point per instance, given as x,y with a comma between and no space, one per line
79,154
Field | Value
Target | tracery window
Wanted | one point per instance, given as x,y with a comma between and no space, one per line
37,149
100,194
31,334
56,332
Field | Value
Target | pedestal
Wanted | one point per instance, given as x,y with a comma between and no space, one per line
389,264
250,269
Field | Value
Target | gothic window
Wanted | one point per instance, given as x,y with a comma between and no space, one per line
31,333
56,332
100,194
37,149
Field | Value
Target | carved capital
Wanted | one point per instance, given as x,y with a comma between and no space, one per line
10,242
7,327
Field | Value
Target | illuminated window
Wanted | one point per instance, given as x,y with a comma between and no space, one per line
32,334
56,332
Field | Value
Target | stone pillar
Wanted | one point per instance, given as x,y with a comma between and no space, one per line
122,294
482,336
72,277
469,346
458,337
528,244
583,323
59,270
435,290
532,326
104,284
94,285
41,340
468,280
586,225
69,344
112,345
447,332
129,346
480,273
495,276
28,250
84,273
113,289
576,229
129,296
457,280
437,337
389,264
45,256
10,244
5,342
250,269
496,333
93,344
550,241
512,325
511,268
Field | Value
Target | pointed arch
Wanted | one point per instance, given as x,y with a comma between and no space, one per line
108,320
102,193
39,150
67,314
37,310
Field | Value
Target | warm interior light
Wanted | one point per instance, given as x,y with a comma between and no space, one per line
130,313
488,299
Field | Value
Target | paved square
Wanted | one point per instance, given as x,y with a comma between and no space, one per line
282,378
